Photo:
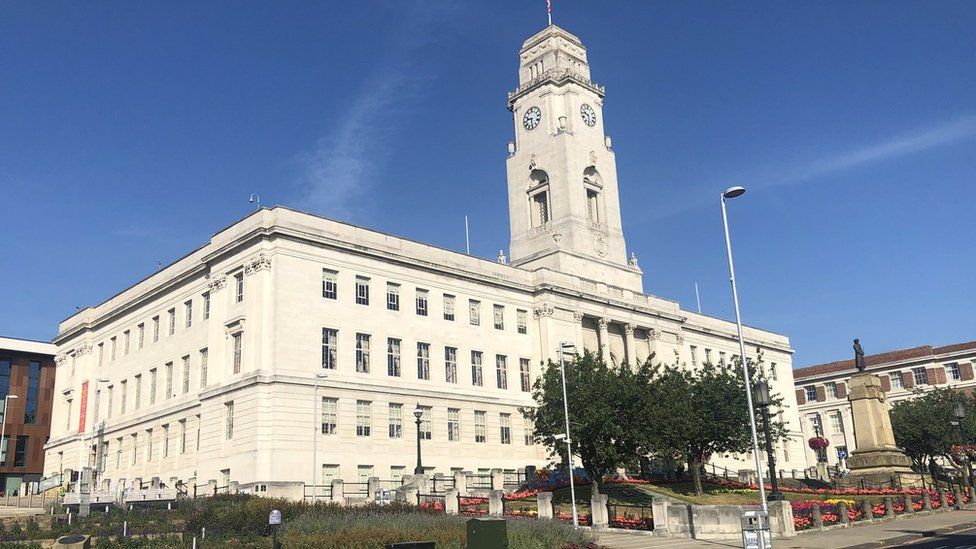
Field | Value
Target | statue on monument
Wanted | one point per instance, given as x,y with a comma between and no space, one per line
859,356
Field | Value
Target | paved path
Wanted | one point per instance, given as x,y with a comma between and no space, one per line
902,531
961,539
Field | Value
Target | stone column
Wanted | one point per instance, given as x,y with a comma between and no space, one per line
630,344
410,494
781,519
461,482
337,495
543,502
604,324
889,506
497,480
578,318
495,505
599,512
451,506
659,510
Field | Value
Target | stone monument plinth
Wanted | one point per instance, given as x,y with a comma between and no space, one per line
877,459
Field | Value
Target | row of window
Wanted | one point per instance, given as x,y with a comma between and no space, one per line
20,451
33,388
153,449
394,355
920,376
771,373
330,290
394,416
331,471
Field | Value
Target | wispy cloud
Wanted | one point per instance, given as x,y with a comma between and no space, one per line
341,168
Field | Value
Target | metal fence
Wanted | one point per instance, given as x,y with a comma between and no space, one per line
355,488
321,491
481,482
441,484
472,506
630,517
434,503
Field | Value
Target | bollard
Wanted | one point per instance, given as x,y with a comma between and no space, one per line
958,497
845,518
889,506
194,542
125,528
496,506
203,532
69,518
909,503
451,504
943,500
543,502
815,516
926,501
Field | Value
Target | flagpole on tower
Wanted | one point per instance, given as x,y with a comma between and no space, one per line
549,10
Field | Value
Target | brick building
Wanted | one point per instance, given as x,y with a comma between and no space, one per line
27,373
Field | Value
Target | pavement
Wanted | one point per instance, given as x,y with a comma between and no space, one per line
952,530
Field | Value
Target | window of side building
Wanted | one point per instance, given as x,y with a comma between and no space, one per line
477,374
422,301
362,353
392,296
448,307
393,357
396,420
920,376
33,389
522,319
330,284
423,360
896,380
362,290
831,389
811,393
330,348
952,371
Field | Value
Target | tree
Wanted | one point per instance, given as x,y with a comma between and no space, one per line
697,414
601,422
923,427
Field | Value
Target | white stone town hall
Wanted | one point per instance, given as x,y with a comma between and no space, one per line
209,369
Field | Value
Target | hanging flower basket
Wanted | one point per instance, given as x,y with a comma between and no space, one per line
818,443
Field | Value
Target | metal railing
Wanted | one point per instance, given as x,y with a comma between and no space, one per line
472,506
482,482
355,488
434,503
630,517
321,491
441,484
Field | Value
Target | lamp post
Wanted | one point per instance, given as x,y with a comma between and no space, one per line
3,427
316,427
763,400
959,413
729,193
565,347
418,413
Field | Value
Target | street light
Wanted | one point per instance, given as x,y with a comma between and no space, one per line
729,193
959,412
763,400
418,413
565,347
315,438
3,427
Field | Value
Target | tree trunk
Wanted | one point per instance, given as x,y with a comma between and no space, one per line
695,466
669,468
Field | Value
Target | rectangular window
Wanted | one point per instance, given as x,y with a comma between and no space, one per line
474,312
721,358
450,364
125,343
453,424
529,439
480,429
708,356
423,361
362,353
238,343
524,375
165,441
364,473
392,296
521,317
330,348
896,380
952,371
921,376
772,371
155,322
505,423
477,377
425,424
329,473
501,371
448,307
831,388
169,381
239,287
188,314
33,390
330,284
141,338
330,416
422,300
836,423
811,393
182,436
152,386
364,420
362,290
20,454
694,356
186,374
206,305
204,358
171,315
396,420
498,314
393,357
122,399
138,402
229,416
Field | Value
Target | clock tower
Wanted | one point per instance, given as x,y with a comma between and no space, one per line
562,175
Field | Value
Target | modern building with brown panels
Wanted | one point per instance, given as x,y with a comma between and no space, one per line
27,386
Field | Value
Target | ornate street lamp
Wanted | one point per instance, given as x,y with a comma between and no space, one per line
418,413
959,413
763,400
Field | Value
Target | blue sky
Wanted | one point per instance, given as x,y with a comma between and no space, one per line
131,132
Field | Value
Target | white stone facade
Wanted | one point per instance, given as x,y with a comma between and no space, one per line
258,304
821,390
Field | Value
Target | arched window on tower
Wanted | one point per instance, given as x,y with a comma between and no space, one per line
539,211
593,186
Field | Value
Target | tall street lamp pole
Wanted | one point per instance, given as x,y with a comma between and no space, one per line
959,412
763,400
418,413
565,347
733,192
316,426
3,428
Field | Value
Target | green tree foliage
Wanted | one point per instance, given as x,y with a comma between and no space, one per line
923,426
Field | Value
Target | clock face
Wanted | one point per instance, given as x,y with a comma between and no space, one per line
532,118
588,114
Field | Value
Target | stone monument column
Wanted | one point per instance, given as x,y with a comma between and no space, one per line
877,458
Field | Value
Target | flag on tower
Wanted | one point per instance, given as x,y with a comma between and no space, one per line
549,10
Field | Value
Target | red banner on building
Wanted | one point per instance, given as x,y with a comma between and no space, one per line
84,407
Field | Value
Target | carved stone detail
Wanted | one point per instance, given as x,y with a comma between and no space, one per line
653,334
84,349
603,323
629,329
578,316
258,263
545,309
217,283
61,359
680,339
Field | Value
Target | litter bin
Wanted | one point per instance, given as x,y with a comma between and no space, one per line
411,545
487,533
76,542
755,525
